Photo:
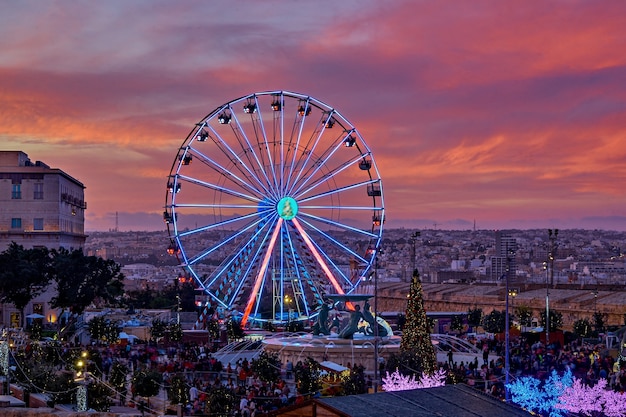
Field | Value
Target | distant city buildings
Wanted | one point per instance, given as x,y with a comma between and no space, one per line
39,205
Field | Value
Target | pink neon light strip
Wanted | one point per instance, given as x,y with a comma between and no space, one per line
259,277
319,258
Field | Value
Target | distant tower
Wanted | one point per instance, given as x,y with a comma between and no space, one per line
506,245
116,222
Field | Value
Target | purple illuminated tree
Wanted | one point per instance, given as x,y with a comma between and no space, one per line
592,401
398,382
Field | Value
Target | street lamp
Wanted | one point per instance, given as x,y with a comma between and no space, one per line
552,234
81,379
413,240
378,251
509,292
595,301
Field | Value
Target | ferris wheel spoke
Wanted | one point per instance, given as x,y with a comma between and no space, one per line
340,225
242,248
337,190
202,205
328,176
228,174
293,257
307,153
297,131
251,150
251,266
220,224
334,241
262,142
235,160
317,166
218,188
224,242
320,259
262,271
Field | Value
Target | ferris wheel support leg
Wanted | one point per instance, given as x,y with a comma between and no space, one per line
259,278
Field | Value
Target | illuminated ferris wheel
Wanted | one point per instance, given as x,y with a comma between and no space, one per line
273,201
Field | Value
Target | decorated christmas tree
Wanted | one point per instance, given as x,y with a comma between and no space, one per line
416,346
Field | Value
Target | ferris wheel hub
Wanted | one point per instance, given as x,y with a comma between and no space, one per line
287,208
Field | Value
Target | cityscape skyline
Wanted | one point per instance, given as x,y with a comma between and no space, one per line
486,115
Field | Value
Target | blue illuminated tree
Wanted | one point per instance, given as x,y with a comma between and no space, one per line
541,397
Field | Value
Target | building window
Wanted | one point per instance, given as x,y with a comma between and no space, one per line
38,224
38,194
16,223
16,191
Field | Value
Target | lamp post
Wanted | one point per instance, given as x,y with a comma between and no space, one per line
509,253
376,373
413,240
552,234
81,379
595,301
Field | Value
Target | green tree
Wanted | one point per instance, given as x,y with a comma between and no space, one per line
221,402
599,323
416,340
118,378
178,391
495,322
24,274
234,330
524,315
102,329
556,320
456,323
475,317
146,383
308,376
174,332
158,329
213,327
80,280
99,397
353,381
267,366
582,328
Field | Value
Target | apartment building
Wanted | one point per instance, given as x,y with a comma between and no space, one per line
39,205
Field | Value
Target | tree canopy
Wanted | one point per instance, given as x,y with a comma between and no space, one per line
24,274
81,279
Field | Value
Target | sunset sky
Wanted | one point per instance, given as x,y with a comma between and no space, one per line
510,113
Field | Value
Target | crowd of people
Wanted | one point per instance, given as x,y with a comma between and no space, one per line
587,362
203,372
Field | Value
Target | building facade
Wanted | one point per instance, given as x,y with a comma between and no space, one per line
39,205
504,262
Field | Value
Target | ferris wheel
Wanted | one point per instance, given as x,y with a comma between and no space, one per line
273,201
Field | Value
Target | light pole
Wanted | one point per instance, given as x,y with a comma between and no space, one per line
413,240
508,293
595,301
377,252
550,276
